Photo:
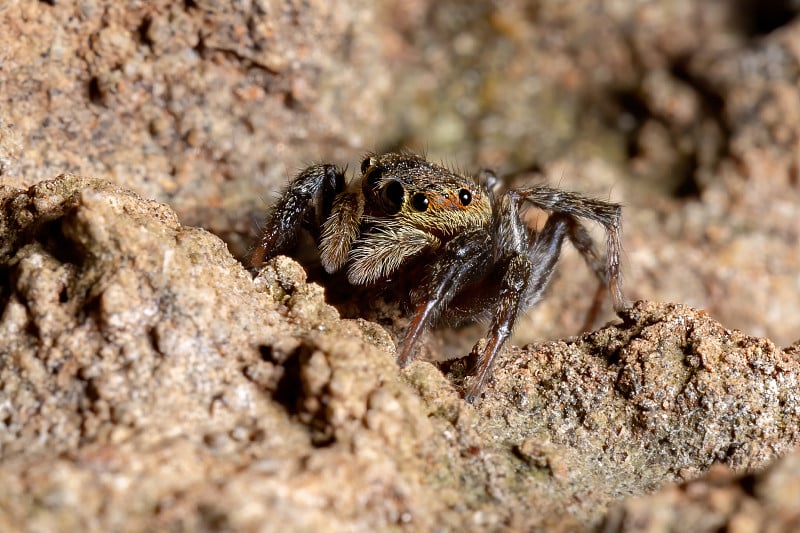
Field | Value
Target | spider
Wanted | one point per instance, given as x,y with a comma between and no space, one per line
467,251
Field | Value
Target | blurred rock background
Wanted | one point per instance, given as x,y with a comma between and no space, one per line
685,112
131,340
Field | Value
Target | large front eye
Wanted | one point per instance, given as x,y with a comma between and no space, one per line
419,202
373,176
392,196
465,196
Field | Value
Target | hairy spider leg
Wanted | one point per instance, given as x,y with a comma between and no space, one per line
315,188
526,260
465,259
607,214
584,243
507,309
527,275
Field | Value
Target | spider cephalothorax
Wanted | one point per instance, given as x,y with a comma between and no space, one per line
478,257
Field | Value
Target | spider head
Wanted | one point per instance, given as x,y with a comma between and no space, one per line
410,190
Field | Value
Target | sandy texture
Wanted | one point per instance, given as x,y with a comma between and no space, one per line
685,112
147,381
207,105
768,501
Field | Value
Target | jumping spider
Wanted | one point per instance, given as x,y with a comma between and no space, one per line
467,248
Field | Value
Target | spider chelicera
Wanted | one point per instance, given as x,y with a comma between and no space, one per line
469,252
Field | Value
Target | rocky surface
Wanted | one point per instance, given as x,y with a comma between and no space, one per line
768,501
147,382
207,105
685,112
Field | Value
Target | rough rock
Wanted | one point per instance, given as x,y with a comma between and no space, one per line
686,112
148,382
767,501
207,105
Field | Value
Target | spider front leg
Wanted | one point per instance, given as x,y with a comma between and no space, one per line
526,276
462,261
315,188
508,307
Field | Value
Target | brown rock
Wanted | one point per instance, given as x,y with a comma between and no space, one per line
147,380
767,501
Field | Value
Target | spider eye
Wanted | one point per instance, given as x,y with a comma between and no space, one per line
392,195
373,176
419,202
465,196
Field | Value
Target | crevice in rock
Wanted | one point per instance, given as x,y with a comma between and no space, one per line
759,17
94,91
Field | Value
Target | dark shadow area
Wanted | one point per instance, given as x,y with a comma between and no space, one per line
759,17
